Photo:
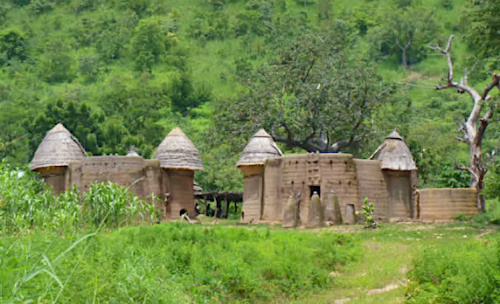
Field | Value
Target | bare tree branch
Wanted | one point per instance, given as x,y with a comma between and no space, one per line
494,83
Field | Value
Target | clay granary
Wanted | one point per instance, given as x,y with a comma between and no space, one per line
62,163
388,179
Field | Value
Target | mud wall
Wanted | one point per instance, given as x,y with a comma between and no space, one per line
143,177
181,195
54,177
399,189
446,203
371,184
319,172
272,208
252,195
293,180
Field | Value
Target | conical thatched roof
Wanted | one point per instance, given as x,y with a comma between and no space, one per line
395,154
176,151
58,148
260,148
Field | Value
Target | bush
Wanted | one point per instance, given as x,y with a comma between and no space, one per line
458,274
25,205
175,263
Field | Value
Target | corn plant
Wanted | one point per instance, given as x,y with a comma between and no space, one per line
27,204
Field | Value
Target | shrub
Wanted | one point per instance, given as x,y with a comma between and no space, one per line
174,263
458,274
367,211
25,204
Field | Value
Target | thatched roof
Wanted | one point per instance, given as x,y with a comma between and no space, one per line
58,148
260,148
394,154
176,151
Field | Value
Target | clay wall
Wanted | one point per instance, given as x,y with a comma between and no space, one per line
54,177
328,171
272,208
293,180
252,195
447,203
399,189
371,184
181,195
143,177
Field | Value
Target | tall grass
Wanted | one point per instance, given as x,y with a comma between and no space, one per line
457,274
171,263
26,204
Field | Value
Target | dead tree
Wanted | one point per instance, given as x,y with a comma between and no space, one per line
474,127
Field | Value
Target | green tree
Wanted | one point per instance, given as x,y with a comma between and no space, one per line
311,96
56,62
482,23
406,33
13,45
149,43
79,119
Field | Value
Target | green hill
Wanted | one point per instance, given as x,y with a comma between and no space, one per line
124,72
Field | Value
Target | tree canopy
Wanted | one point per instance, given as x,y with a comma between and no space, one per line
311,95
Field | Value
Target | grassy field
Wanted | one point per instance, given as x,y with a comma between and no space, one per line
225,263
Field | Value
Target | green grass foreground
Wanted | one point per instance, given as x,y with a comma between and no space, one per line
171,263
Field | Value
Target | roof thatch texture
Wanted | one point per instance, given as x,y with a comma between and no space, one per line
176,151
260,148
58,148
394,154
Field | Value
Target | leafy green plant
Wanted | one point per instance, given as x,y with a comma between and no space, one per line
456,274
25,205
367,211
172,263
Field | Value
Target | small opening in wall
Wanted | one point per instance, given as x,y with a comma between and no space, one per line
182,212
313,189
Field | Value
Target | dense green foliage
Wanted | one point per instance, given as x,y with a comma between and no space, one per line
120,73
26,205
171,263
457,274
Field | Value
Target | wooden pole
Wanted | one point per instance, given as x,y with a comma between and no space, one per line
227,205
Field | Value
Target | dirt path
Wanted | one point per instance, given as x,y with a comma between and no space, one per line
380,274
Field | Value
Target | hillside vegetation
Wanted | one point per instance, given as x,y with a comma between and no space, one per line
120,73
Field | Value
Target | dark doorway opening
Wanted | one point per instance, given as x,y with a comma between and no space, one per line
313,189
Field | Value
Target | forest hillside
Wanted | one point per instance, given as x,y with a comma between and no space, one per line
338,75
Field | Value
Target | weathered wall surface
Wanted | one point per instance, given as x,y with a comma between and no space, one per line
293,180
329,171
338,173
371,184
272,208
143,177
252,195
181,196
446,203
54,177
400,194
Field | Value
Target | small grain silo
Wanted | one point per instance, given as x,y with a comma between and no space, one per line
53,156
400,174
251,163
179,159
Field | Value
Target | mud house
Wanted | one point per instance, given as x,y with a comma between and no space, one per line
62,163
388,179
